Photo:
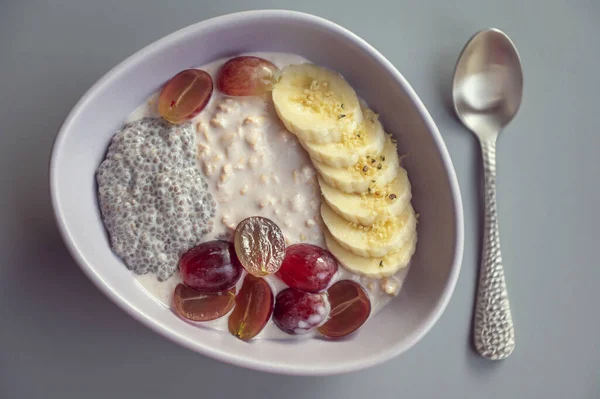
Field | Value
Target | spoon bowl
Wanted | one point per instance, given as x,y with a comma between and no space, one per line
488,82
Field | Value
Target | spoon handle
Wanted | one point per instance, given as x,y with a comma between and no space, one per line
494,334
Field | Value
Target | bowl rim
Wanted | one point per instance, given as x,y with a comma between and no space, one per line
230,357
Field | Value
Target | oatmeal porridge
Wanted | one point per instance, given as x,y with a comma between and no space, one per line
303,161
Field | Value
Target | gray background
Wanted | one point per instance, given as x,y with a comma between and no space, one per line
60,338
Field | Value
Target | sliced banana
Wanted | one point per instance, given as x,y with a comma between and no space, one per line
375,205
373,267
316,103
373,241
370,171
371,225
367,139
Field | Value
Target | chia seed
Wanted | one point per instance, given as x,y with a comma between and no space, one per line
154,201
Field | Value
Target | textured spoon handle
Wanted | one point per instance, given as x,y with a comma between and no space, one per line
494,334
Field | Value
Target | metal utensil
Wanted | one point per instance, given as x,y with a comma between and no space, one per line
487,91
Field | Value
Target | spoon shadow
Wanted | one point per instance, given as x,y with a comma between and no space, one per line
444,73
478,204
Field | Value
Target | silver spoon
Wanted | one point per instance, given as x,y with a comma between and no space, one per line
487,91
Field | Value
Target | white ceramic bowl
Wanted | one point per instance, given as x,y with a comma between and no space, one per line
84,136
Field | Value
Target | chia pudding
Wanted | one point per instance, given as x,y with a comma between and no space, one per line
155,203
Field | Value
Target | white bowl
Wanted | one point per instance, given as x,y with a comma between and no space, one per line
84,136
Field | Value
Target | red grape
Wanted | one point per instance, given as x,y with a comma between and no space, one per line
196,306
259,245
185,95
350,308
246,76
210,267
253,308
299,312
307,267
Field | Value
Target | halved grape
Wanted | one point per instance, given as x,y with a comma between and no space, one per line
185,95
210,267
259,245
299,312
350,308
307,267
196,306
253,308
246,76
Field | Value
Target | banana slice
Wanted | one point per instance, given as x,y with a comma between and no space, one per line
373,267
374,241
316,103
367,139
375,170
376,205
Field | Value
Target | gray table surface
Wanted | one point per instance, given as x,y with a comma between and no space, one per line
60,338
